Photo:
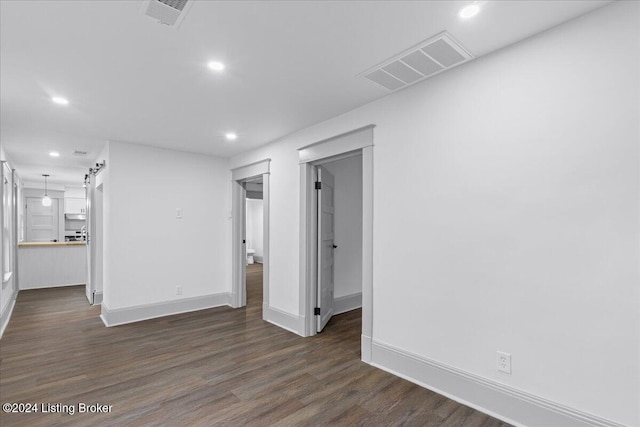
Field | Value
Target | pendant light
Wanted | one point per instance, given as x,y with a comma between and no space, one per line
46,200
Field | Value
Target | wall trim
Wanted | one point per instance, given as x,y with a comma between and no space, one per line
61,285
499,400
97,297
5,316
252,169
288,321
365,348
347,303
122,316
347,142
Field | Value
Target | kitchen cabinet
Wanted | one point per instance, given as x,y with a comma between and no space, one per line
74,205
48,265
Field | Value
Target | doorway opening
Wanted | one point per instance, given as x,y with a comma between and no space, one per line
254,242
250,236
338,220
318,256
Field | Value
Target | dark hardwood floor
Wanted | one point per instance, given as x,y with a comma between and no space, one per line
220,366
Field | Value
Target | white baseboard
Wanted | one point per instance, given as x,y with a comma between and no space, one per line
121,316
288,321
6,314
365,348
60,285
347,303
514,406
97,298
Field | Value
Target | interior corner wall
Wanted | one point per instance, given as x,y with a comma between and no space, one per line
148,250
347,225
525,225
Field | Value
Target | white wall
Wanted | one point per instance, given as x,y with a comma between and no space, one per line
255,225
148,252
347,225
526,225
74,192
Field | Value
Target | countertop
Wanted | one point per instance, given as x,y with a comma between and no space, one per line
40,244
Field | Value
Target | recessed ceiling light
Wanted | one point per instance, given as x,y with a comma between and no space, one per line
469,11
54,154
60,100
230,136
216,66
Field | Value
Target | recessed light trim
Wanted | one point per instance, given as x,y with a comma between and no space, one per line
60,100
469,11
216,66
231,136
54,154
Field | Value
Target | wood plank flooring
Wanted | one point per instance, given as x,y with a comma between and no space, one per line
220,366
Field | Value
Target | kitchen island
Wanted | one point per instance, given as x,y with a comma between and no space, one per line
51,264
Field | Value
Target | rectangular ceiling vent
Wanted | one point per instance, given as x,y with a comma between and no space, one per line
79,153
431,57
167,12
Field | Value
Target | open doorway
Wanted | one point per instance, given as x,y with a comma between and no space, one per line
254,238
356,144
250,236
338,220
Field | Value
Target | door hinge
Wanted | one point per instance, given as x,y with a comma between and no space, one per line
318,185
244,241
316,311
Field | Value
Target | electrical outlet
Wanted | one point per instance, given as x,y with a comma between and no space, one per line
504,362
178,290
179,213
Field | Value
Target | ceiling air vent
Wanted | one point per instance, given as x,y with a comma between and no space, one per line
431,57
167,12
79,153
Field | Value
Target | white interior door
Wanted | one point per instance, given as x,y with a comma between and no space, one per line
324,309
42,221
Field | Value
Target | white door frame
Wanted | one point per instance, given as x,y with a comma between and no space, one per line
238,214
90,189
358,140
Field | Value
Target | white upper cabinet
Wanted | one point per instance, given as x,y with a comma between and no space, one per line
74,205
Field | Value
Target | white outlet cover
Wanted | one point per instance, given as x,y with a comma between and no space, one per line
503,362
178,213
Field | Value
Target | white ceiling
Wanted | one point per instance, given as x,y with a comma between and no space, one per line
289,65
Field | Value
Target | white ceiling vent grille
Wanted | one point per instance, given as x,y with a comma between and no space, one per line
167,12
80,153
424,60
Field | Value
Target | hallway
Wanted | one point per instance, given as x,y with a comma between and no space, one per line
212,367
